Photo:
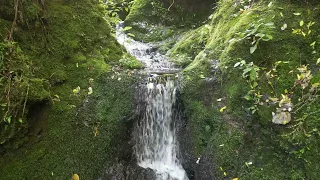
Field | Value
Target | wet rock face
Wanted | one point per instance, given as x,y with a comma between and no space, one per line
197,168
123,171
124,166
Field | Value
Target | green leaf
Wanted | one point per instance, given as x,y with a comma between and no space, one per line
253,74
237,64
318,61
269,24
281,14
132,35
127,28
20,120
297,14
270,4
9,119
247,97
301,23
313,44
245,71
260,35
255,84
253,48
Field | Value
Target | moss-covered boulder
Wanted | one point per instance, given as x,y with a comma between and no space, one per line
68,99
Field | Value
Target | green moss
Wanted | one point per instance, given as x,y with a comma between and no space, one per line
189,46
129,62
38,90
68,47
244,137
63,154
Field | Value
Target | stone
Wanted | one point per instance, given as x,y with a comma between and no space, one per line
282,117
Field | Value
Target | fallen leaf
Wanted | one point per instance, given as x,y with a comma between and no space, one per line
301,23
75,177
90,90
284,26
223,108
76,90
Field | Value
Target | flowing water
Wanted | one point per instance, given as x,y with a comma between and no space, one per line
156,143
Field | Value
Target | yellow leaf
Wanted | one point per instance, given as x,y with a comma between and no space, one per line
299,77
235,179
90,90
76,90
224,173
316,85
75,177
223,108
274,99
301,23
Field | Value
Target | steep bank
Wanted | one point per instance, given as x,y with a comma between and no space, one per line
230,108
61,50
253,120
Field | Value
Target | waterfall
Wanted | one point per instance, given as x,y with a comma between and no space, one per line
155,133
156,146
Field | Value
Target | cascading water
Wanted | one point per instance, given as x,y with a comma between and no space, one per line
155,134
156,146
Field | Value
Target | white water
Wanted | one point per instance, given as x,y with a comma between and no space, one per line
156,144
154,61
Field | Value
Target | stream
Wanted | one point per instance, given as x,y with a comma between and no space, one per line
156,145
